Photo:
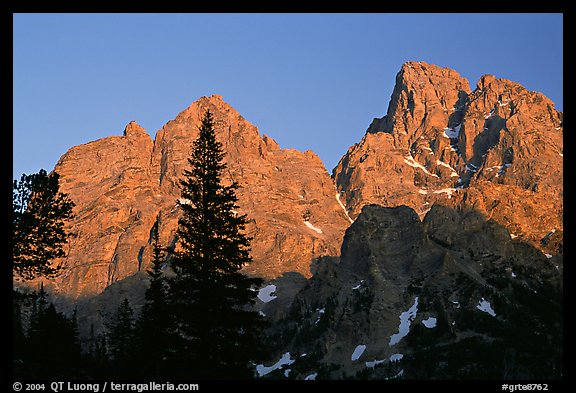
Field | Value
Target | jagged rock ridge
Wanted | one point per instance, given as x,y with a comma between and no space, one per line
122,185
497,148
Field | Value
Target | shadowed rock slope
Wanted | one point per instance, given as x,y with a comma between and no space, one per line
449,297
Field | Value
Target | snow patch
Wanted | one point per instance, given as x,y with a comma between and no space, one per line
400,374
448,191
320,312
548,256
503,168
439,162
266,294
406,319
471,167
309,225
311,377
284,360
452,133
396,357
374,363
430,322
358,286
484,305
423,213
358,351
343,207
287,372
513,275
489,115
513,236
410,161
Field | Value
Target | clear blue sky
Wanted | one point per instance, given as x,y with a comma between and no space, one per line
310,81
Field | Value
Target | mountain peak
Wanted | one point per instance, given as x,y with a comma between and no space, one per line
134,129
214,97
424,94
485,81
215,103
423,69
498,148
123,184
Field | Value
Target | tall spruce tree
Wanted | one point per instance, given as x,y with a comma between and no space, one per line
96,359
120,340
40,211
210,297
153,330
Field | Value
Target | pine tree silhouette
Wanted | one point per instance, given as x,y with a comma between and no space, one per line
210,297
40,211
120,340
153,329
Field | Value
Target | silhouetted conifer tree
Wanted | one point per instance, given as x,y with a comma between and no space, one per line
120,340
40,211
96,359
19,342
209,296
153,326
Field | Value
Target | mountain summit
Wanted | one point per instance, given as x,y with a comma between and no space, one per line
123,185
497,149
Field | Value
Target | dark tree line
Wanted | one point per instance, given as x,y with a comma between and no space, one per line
197,321
47,345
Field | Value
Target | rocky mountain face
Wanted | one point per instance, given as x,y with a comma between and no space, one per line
449,264
122,185
454,262
452,296
497,149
